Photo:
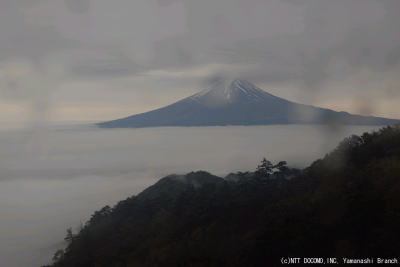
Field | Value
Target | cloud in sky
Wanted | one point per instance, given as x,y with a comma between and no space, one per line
131,56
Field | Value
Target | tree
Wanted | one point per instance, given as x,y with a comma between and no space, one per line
58,256
70,236
100,215
265,169
281,167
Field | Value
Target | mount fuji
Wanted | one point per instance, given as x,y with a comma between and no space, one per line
239,103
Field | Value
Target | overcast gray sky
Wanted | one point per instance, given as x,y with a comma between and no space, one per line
84,60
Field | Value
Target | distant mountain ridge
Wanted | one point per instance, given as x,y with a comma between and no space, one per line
239,103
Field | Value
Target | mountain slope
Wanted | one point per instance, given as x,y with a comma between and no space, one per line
239,103
344,205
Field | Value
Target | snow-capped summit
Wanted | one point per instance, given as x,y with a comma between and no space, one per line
239,102
224,92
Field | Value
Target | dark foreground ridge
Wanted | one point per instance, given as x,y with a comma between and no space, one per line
344,205
239,103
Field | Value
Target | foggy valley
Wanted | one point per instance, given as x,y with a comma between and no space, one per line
55,180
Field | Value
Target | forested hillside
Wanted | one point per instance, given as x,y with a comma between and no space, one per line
346,204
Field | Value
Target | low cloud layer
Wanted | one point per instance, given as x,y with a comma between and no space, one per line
57,179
